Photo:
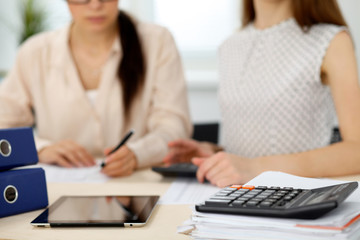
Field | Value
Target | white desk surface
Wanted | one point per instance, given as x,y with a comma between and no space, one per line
162,224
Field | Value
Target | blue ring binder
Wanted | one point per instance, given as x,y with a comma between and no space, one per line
17,148
21,190
5,148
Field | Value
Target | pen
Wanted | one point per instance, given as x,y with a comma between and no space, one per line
122,142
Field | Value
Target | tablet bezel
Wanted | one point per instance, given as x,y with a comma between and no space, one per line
42,219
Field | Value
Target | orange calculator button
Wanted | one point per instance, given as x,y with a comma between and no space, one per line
248,187
236,186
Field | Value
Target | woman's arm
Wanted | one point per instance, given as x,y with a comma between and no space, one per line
17,109
15,97
168,116
340,73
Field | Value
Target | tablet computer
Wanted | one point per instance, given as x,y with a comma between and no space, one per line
97,211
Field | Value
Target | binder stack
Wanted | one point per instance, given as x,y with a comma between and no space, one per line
21,190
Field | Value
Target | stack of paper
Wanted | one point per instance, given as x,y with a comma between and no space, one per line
341,223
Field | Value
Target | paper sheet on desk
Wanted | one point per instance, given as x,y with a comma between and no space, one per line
336,224
222,226
287,180
187,191
56,174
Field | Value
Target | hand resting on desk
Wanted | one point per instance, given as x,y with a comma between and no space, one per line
66,153
183,150
223,169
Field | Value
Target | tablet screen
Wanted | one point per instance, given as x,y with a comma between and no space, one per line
97,211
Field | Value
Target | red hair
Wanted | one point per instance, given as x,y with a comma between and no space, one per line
306,12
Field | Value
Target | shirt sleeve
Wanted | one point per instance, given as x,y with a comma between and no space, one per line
15,97
169,117
16,108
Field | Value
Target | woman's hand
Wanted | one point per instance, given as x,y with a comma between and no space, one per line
224,169
183,150
123,162
66,153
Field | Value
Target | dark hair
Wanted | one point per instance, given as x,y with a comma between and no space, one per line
131,70
306,12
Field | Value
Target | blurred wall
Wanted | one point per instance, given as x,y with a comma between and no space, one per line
10,32
202,94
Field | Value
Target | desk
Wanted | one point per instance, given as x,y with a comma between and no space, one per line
162,224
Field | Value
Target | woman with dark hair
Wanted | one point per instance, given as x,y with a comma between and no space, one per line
84,86
286,79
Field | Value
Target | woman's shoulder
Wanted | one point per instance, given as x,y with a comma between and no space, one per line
326,30
42,41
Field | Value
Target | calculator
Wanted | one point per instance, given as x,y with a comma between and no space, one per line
283,202
177,170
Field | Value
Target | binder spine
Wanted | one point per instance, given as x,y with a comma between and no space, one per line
22,191
17,148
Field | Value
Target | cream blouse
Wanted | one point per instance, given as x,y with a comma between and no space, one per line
44,89
271,96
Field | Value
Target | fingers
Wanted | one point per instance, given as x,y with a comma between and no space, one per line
120,163
219,170
198,161
49,155
62,162
75,154
181,150
177,155
119,168
199,174
170,158
227,181
66,154
119,154
180,143
86,158
205,166
107,151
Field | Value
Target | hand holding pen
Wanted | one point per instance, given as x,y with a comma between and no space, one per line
122,142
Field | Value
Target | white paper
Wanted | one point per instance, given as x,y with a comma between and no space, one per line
57,174
281,179
188,191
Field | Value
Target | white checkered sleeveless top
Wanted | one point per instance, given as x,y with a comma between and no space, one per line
271,97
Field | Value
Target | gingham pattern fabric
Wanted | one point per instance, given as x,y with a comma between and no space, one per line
271,97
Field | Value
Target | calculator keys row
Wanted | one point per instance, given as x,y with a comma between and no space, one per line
250,196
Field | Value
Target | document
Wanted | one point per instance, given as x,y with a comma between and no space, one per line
281,179
57,174
187,191
341,223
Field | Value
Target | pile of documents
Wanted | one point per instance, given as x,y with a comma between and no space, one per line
341,223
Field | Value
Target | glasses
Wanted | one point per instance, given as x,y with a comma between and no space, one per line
87,1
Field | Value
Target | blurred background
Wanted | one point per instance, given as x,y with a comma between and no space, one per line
199,27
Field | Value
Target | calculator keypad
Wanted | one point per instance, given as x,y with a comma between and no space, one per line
239,196
283,202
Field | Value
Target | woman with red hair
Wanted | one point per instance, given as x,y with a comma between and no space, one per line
286,79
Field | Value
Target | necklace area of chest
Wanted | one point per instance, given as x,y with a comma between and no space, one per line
90,68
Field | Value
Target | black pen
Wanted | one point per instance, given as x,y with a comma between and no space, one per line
123,141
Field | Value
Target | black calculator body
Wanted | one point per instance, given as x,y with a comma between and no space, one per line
177,170
286,202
